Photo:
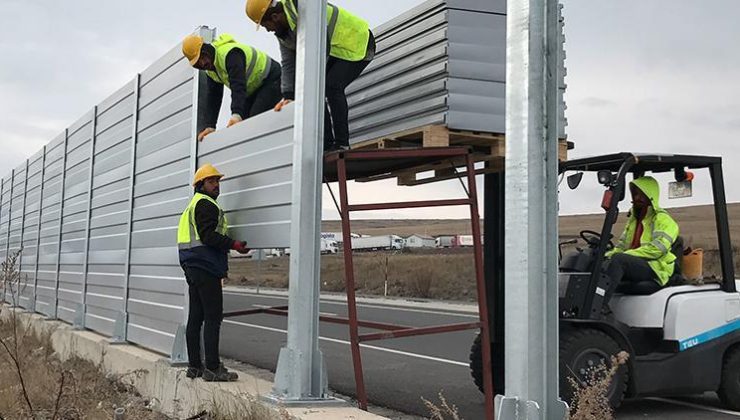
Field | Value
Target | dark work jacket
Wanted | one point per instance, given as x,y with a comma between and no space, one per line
213,257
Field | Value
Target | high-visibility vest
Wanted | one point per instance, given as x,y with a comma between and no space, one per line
659,232
348,34
256,63
187,232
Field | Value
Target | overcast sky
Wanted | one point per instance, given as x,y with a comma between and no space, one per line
650,76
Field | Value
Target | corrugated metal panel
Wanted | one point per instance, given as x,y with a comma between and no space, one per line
15,236
5,193
30,228
161,192
443,62
106,263
50,227
257,158
74,211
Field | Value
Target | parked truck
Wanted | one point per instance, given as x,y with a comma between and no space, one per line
370,243
462,241
444,241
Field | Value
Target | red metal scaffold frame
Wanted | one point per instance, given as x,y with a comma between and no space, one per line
353,164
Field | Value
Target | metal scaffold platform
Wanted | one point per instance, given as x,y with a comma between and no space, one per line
345,166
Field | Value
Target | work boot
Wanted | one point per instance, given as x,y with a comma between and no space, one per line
220,374
194,372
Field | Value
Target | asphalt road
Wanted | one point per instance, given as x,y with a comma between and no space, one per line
400,372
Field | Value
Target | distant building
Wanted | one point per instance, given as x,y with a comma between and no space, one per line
420,241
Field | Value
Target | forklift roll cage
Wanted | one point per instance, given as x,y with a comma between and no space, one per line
638,165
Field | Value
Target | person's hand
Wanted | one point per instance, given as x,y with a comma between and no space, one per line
235,119
205,132
281,104
240,247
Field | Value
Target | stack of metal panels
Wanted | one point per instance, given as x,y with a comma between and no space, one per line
441,63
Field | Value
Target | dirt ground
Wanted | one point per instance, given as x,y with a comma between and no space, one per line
48,388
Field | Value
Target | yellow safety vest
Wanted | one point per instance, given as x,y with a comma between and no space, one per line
256,62
187,232
348,34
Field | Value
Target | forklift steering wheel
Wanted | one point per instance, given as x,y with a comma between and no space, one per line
593,238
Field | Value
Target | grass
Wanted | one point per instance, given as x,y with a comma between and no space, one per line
590,400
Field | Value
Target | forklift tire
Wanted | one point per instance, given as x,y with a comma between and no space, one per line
729,388
585,348
476,367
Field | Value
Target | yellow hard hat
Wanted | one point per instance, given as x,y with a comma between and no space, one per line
256,10
191,48
206,171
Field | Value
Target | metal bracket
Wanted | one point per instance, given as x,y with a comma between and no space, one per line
285,389
79,322
512,408
179,356
119,330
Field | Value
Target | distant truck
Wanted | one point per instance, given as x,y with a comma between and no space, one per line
370,243
328,246
462,241
337,236
444,241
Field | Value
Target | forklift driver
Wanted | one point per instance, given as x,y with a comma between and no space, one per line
642,259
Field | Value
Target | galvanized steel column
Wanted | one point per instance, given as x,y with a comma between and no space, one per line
531,288
38,229
120,330
301,374
82,310
21,280
61,219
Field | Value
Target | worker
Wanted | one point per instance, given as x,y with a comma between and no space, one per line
203,242
351,47
643,253
251,75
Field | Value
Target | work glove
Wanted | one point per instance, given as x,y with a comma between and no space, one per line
281,104
240,247
205,132
235,119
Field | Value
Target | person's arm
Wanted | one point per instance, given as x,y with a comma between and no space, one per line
620,246
214,93
664,235
287,81
236,67
206,221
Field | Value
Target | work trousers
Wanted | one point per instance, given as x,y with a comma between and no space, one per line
206,313
339,74
625,268
268,95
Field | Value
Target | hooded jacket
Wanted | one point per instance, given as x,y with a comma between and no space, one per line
659,232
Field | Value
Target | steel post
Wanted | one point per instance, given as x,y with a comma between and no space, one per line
7,237
79,322
21,279
531,290
301,374
63,182
38,230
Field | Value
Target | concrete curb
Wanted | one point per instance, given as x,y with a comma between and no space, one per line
154,378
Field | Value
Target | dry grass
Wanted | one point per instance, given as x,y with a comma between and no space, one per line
242,407
443,411
590,401
438,274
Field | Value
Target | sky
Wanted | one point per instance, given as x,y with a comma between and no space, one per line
657,76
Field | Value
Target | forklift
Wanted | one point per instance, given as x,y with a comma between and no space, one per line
682,339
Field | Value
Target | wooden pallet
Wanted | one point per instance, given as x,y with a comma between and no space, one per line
487,147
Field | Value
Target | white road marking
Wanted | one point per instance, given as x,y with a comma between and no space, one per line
365,346
268,306
696,406
362,305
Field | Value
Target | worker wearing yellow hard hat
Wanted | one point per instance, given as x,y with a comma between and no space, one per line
203,244
351,48
251,75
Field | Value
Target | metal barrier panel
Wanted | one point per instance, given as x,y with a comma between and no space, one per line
108,229
16,225
29,241
257,159
74,223
4,222
51,211
161,192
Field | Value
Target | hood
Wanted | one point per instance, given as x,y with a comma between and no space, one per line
650,187
223,39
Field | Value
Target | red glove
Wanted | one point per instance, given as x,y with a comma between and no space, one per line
240,247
